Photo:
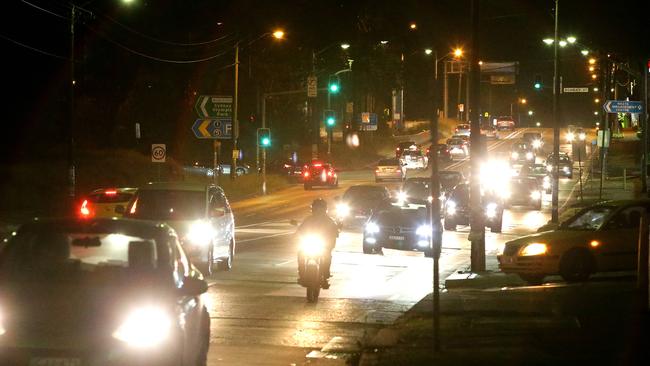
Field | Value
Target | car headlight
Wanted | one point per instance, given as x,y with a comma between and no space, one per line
534,249
342,210
566,169
514,155
535,195
537,144
451,208
401,197
529,156
423,230
201,232
312,245
144,327
549,168
372,228
491,210
546,184
505,193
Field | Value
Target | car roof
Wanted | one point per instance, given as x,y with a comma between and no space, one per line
142,228
118,190
176,186
627,202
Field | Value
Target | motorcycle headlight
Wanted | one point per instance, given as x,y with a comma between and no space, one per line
535,195
312,245
372,228
529,156
491,210
534,249
423,230
200,232
342,210
514,155
144,327
451,208
537,144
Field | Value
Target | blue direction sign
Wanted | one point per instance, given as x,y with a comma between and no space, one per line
212,128
368,121
623,106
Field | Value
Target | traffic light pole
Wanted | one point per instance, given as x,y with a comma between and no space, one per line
235,121
556,127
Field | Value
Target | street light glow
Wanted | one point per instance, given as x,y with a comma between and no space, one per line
278,34
530,113
413,26
584,52
571,39
591,68
592,61
127,2
594,76
597,100
458,52
596,89
383,42
428,51
523,101
538,124
548,41
595,113
345,46
562,43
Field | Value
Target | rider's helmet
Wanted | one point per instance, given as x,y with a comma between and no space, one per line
319,206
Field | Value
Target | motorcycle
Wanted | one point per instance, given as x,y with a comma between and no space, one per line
311,249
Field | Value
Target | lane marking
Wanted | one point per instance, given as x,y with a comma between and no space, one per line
263,237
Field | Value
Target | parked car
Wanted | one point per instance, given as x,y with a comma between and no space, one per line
398,227
414,159
457,209
105,202
224,168
358,203
101,292
565,165
200,214
390,169
601,237
319,173
405,146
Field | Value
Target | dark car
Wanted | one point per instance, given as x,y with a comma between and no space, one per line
540,173
443,152
521,152
288,168
358,203
524,191
398,227
319,173
565,163
100,292
457,209
450,179
405,146
417,190
533,139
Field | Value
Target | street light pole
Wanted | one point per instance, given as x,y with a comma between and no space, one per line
235,121
71,117
556,125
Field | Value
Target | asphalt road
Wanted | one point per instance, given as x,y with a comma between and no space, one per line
259,313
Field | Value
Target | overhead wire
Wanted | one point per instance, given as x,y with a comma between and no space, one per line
34,48
45,10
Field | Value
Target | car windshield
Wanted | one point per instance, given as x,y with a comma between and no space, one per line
406,145
403,217
591,219
413,153
168,205
460,195
456,142
356,194
79,256
449,180
463,127
417,189
110,198
534,170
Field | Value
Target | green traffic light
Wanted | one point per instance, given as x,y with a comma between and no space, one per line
538,85
334,88
266,141
331,121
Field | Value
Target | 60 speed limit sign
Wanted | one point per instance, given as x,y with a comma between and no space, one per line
158,153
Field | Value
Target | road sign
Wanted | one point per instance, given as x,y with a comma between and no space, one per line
213,106
312,86
368,121
212,128
158,153
603,139
576,90
623,106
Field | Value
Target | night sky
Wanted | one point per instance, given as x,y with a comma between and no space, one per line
35,49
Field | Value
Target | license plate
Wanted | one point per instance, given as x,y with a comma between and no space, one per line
54,361
396,237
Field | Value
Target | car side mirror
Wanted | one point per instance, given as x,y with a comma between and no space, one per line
193,286
120,209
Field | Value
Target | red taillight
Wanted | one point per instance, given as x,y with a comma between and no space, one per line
306,174
318,165
110,192
329,174
376,170
84,211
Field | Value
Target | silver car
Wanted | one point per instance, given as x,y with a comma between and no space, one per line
390,169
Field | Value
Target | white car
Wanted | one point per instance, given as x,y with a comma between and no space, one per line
414,159
463,129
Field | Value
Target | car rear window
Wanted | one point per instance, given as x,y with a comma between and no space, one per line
110,198
168,205
456,142
388,162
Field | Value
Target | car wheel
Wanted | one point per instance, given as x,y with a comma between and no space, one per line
577,265
202,357
226,262
449,225
367,249
207,267
307,187
570,176
532,279
240,172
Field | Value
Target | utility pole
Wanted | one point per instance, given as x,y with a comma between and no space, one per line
477,221
460,92
556,124
235,121
312,110
71,118
446,91
644,129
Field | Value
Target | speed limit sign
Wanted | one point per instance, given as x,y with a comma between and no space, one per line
158,153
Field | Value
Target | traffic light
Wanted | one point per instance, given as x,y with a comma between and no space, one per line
329,116
334,85
264,137
538,82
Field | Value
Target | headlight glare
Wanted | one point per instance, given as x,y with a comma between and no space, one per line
491,210
451,208
514,155
342,210
200,232
536,195
144,327
534,249
372,228
537,144
312,245
423,230
529,156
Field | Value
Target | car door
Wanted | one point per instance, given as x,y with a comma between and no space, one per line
620,235
218,215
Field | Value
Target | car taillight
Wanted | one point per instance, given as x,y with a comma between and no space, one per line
84,210
110,192
306,174
329,173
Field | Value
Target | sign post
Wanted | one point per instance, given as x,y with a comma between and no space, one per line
158,155
623,106
214,123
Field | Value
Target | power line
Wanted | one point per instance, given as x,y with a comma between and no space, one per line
33,48
45,10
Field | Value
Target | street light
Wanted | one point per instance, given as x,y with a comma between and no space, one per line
345,46
530,113
278,34
413,26
563,43
571,39
428,51
592,61
584,52
458,52
548,41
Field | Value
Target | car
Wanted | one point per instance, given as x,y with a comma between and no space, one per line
565,163
389,169
105,202
457,209
358,203
601,237
463,129
539,172
450,179
289,168
463,137
404,146
414,159
505,123
224,169
489,131
458,147
200,214
319,173
443,152
521,152
416,190
101,292
398,227
524,191
533,139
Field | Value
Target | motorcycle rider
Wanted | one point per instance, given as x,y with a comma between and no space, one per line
321,224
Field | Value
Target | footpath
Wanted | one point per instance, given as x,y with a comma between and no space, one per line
492,318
